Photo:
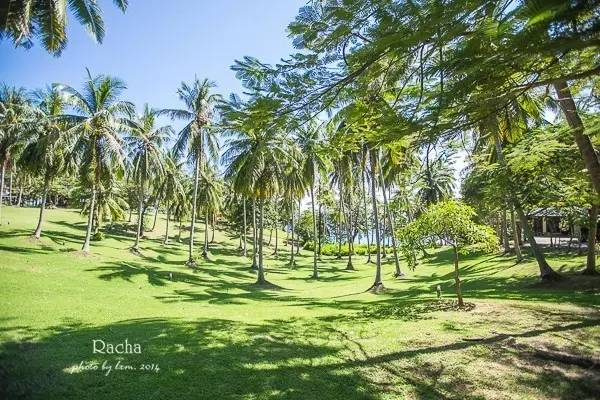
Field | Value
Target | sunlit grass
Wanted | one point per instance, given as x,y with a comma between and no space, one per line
217,335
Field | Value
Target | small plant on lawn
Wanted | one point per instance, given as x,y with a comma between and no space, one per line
451,223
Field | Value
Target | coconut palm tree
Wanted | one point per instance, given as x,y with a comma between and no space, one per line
21,21
436,181
144,142
98,120
396,160
196,139
209,195
255,162
15,118
373,160
171,187
181,205
110,204
45,155
293,189
314,164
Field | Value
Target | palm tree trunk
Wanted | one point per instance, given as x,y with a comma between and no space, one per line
586,148
546,272
155,216
383,232
88,232
254,233
270,236
20,198
292,261
96,219
138,233
350,266
205,244
366,216
276,240
298,241
457,278
504,229
315,274
10,186
166,241
191,262
320,230
38,230
245,230
388,212
261,268
377,284
339,221
179,233
590,268
341,213
212,226
515,236
2,188
130,212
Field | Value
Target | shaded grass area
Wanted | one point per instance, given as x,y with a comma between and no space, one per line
214,334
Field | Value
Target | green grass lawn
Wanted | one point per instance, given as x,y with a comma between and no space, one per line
214,335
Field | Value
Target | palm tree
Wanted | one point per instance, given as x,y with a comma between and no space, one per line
46,154
145,142
21,21
363,167
314,163
255,161
172,187
437,181
197,139
15,116
293,189
373,158
110,203
210,194
398,159
97,123
181,206
508,127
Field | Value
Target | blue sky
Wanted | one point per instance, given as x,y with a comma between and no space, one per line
153,47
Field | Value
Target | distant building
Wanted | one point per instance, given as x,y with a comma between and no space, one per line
547,222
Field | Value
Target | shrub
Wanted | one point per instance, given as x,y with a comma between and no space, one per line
98,236
361,249
331,249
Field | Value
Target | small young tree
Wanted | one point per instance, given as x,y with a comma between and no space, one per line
451,222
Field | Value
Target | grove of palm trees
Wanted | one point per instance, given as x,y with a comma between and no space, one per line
404,204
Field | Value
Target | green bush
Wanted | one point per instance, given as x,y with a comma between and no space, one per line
98,236
331,249
361,249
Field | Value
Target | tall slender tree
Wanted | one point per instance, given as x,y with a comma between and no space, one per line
144,143
172,188
15,113
196,139
46,154
98,120
313,165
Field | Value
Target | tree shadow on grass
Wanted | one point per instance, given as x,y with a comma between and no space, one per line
210,359
128,270
292,359
574,289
